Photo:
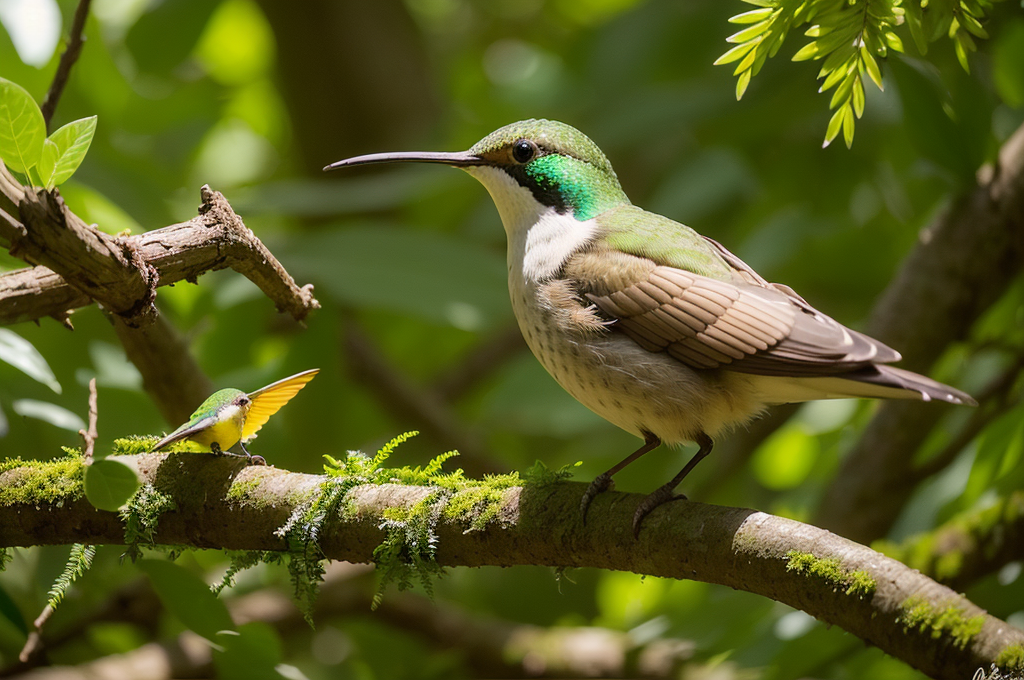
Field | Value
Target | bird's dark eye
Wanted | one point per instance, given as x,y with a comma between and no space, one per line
524,150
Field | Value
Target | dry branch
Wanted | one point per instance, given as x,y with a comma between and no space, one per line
539,525
122,273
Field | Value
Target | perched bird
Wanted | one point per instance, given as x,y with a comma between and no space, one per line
231,416
659,330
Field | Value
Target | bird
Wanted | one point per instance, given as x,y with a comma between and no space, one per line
231,416
654,327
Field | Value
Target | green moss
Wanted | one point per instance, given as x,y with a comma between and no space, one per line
919,614
140,515
243,492
1011,658
34,482
858,583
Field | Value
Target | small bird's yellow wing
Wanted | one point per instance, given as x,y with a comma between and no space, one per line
267,400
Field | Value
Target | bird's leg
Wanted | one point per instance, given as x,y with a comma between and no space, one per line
666,493
603,482
253,460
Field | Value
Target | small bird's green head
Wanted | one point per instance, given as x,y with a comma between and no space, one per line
220,399
559,165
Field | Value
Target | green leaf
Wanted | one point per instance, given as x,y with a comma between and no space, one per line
808,51
741,84
961,49
973,25
22,128
736,53
834,124
752,17
253,653
188,598
58,416
749,33
9,610
19,352
65,151
848,122
871,66
858,98
109,484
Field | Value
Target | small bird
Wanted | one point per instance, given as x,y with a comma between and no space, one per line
231,416
657,329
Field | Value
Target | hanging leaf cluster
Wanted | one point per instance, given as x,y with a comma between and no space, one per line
849,37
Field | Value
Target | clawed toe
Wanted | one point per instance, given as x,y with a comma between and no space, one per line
660,496
600,484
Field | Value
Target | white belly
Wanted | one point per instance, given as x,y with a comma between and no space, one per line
636,390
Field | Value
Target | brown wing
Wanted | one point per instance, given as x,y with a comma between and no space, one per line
706,323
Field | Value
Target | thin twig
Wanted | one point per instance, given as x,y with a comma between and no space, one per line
89,436
75,41
34,643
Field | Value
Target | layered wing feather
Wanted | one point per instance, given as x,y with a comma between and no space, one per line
268,400
746,324
187,430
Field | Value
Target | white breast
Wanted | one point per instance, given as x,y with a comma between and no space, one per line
539,238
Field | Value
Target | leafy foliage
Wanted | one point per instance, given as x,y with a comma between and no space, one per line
24,146
849,36
79,562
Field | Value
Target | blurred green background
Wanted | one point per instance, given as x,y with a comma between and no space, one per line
254,98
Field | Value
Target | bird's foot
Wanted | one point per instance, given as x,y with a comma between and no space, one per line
257,460
601,483
660,496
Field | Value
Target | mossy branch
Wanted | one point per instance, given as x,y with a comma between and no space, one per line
219,503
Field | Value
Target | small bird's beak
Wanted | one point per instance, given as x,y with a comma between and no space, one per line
459,159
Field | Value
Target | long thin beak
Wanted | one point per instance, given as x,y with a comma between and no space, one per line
459,159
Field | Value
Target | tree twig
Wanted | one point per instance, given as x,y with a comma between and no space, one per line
90,435
873,597
123,273
76,39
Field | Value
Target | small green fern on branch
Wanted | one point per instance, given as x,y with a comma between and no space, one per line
849,36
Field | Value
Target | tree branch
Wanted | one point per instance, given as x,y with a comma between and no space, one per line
969,546
171,376
961,265
122,273
219,505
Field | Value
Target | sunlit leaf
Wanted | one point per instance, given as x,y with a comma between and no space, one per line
65,151
22,128
752,16
871,66
19,352
109,484
188,598
57,416
834,125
